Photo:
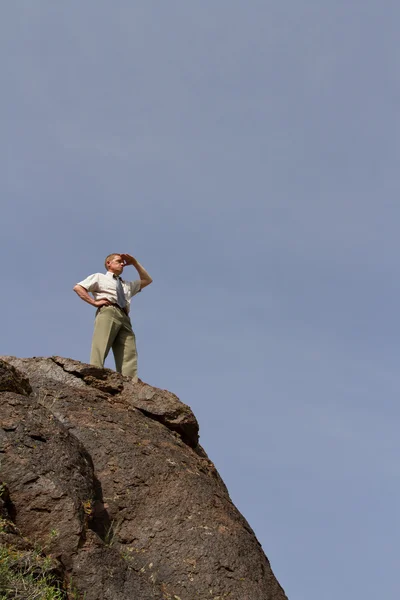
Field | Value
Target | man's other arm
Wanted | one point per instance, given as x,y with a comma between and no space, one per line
84,295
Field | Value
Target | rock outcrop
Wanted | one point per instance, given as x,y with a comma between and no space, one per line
108,478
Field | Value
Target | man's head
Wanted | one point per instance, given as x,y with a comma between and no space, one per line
114,263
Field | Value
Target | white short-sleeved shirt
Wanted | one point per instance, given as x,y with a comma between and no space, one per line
105,286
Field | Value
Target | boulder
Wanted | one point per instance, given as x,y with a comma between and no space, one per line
109,477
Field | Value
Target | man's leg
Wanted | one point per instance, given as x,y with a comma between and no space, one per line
106,326
124,349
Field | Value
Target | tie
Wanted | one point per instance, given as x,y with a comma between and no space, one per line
120,293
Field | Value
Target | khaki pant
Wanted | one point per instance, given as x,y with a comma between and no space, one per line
113,329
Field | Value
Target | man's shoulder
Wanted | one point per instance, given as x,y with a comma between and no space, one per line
95,275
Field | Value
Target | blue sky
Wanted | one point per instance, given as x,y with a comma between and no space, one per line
247,154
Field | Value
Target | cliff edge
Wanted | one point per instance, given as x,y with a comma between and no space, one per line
107,478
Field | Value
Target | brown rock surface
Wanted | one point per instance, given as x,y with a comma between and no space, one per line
13,381
109,477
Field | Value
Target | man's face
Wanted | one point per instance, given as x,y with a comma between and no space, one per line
116,265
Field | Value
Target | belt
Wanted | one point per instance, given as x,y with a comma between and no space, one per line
116,306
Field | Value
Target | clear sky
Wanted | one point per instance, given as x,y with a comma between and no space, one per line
247,154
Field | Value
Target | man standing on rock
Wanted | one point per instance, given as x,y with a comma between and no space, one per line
112,326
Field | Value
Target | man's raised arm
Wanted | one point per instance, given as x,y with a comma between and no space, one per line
145,278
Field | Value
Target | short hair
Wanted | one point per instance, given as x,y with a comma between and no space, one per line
110,258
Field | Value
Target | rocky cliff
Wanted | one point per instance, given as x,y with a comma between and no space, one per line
105,479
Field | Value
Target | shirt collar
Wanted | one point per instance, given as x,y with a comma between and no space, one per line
111,274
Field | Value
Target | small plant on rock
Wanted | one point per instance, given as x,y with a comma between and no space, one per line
26,575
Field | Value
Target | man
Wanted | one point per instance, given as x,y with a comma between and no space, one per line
112,326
